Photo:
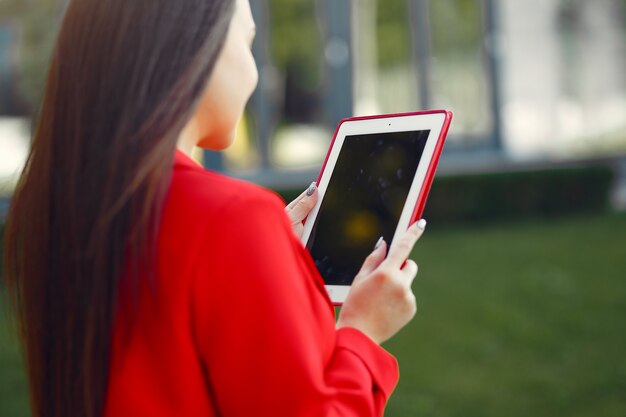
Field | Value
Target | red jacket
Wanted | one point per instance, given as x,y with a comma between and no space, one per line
237,322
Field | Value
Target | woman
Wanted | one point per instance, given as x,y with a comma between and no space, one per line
147,286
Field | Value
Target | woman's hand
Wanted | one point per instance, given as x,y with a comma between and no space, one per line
299,208
381,301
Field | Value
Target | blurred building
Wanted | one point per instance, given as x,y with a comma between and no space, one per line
534,79
564,76
540,79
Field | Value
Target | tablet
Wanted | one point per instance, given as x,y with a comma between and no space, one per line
374,182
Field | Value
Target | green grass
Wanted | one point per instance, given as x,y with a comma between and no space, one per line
518,319
13,389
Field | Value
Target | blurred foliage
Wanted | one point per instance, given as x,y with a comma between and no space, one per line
393,35
456,27
484,198
1,253
295,39
507,195
296,43
38,22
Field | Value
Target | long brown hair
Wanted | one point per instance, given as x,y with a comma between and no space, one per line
125,77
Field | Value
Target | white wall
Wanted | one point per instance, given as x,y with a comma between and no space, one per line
564,83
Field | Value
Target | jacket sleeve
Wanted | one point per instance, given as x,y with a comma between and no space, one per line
265,331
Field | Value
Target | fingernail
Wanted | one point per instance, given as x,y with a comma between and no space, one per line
311,189
380,242
421,224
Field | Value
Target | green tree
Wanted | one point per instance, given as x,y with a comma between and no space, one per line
295,38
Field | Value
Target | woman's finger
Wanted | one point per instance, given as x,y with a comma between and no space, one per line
401,251
410,269
373,260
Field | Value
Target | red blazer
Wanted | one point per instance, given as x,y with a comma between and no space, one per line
237,322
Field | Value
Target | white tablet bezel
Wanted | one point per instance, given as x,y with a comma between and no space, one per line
433,121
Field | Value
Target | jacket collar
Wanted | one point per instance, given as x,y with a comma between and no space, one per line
182,160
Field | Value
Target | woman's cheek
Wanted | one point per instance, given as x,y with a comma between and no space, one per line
233,82
254,73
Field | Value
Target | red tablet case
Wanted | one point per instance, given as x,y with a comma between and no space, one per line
432,168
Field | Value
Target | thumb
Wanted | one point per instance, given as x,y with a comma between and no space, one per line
302,207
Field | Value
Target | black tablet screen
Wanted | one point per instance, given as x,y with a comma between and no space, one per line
364,200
